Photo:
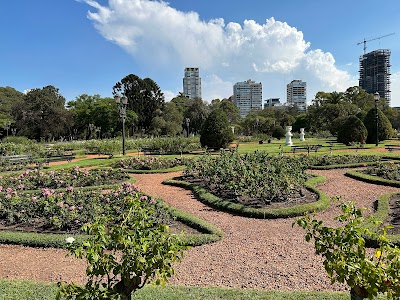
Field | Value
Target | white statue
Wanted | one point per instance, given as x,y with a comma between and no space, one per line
302,139
288,135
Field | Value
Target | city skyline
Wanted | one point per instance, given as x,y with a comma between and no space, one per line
86,46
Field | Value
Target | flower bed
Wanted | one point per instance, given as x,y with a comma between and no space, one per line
35,179
388,171
251,177
50,210
149,163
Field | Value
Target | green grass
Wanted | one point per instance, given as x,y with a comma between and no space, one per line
23,290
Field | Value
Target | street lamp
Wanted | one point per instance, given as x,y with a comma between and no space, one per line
7,126
122,102
376,97
187,126
13,131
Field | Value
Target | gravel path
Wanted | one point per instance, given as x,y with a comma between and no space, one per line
263,254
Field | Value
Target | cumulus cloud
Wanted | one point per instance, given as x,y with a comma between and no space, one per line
395,87
158,35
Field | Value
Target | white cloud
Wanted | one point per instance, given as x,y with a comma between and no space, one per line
168,95
159,36
214,87
395,87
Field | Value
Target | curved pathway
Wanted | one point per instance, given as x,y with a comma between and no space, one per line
264,254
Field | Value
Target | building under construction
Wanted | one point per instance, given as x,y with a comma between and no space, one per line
375,73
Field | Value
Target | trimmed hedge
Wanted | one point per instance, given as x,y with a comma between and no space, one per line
260,213
33,239
343,166
372,179
380,216
169,170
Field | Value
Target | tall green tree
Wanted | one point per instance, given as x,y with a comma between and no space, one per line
42,115
197,112
385,129
101,112
216,132
8,97
144,98
353,130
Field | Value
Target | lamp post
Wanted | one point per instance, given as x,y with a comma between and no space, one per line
187,126
91,128
13,131
376,97
7,126
122,102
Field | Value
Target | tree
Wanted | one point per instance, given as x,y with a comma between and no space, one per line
42,114
353,130
197,112
278,132
101,112
385,129
8,97
216,132
231,111
144,98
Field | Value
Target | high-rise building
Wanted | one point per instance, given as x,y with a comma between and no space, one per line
272,102
192,83
296,94
375,73
247,96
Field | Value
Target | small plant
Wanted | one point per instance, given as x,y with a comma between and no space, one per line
347,259
123,254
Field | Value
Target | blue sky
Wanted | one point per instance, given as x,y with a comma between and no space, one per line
86,46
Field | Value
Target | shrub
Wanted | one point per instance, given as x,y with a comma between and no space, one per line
124,256
278,132
216,132
353,130
385,130
346,258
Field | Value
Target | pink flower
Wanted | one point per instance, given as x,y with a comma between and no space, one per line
21,186
60,204
143,198
9,190
34,199
70,188
76,221
8,196
1,188
72,208
108,200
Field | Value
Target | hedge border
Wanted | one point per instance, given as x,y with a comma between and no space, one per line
380,216
372,179
342,166
259,213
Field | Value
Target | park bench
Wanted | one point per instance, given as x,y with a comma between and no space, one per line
314,148
17,158
150,150
392,147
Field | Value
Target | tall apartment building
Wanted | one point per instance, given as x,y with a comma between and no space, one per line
296,94
247,96
272,102
375,73
192,83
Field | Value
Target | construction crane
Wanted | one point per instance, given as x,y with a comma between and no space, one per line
377,38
